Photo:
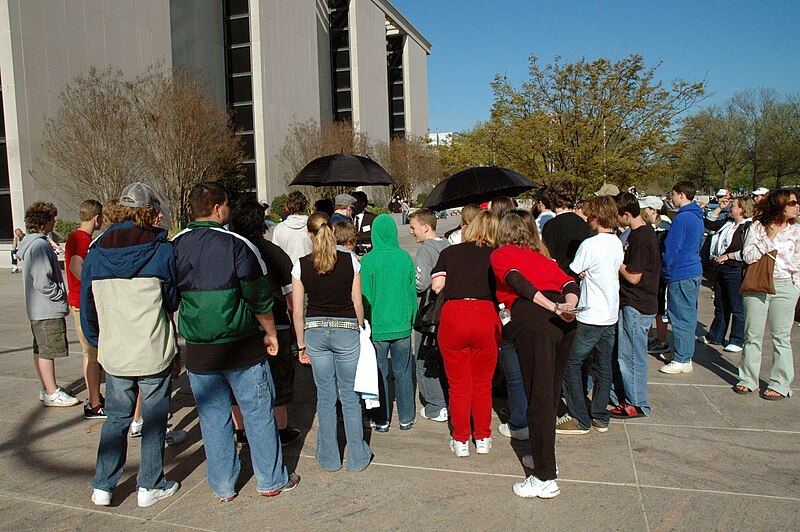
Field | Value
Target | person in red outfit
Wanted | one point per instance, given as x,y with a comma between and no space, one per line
77,248
469,332
540,296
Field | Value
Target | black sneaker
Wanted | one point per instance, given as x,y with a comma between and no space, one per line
98,412
241,437
289,435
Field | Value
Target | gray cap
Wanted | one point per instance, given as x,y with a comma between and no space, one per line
345,200
653,202
139,195
607,190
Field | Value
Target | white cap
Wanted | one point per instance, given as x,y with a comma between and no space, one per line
760,191
653,202
723,192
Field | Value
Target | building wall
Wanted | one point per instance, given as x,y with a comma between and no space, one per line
368,68
44,44
198,43
415,88
285,80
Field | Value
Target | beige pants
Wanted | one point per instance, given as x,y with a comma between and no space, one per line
88,351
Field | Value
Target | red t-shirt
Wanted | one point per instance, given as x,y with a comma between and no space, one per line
543,273
77,244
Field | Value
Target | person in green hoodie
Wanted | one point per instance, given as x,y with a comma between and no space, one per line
388,279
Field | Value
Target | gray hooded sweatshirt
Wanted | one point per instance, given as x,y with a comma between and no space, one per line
45,292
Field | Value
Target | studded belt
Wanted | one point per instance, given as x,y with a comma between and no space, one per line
337,324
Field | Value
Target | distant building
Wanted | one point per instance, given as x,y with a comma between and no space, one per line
440,139
273,62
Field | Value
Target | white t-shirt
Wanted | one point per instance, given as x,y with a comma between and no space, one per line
600,257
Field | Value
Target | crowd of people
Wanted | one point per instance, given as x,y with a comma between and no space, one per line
569,301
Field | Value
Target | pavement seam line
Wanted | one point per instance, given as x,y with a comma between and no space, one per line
644,423
717,410
578,481
98,511
699,385
187,492
636,477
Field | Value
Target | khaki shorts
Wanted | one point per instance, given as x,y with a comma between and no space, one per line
88,351
50,338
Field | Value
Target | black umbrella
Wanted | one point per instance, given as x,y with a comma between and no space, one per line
342,170
476,185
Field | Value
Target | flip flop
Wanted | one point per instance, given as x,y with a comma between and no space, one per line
776,397
742,390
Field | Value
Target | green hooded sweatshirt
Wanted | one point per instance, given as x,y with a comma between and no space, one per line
388,282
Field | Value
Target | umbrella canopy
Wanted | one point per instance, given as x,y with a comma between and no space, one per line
342,170
476,185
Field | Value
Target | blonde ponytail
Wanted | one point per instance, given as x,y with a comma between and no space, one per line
323,251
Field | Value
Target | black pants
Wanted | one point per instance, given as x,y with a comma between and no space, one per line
543,342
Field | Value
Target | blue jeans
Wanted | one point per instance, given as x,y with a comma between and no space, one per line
682,311
632,329
517,400
334,356
121,395
728,307
403,370
254,391
430,377
601,339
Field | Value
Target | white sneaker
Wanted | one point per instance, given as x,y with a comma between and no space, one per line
483,445
174,437
533,487
135,430
703,340
60,398
150,497
508,432
42,394
440,418
460,448
676,367
101,498
732,348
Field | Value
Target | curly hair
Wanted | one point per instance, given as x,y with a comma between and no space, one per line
142,217
38,215
562,194
296,202
248,220
770,209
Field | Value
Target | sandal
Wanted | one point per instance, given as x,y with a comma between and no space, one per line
742,390
771,395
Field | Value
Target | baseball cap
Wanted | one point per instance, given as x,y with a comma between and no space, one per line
139,195
760,191
607,190
723,192
345,200
653,202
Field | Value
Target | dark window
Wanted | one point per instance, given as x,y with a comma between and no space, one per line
239,60
398,107
236,7
340,40
394,72
343,115
248,145
398,123
343,79
344,100
4,180
238,31
396,90
339,4
240,89
243,118
342,59
249,175
2,120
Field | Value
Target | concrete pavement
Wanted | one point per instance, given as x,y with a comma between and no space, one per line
706,459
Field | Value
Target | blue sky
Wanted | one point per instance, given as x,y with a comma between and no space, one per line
734,45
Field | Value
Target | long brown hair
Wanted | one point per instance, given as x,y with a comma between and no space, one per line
515,230
323,251
770,209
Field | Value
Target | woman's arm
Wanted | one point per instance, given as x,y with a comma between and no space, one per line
298,296
437,283
357,302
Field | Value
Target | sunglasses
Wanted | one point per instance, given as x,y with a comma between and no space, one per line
791,203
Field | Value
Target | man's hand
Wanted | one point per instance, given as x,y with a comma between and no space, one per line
271,344
724,202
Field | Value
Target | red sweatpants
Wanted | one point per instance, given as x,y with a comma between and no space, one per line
469,339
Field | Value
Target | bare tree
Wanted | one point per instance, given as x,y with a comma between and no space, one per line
87,141
307,141
187,137
411,162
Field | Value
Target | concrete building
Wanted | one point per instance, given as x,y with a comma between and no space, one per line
272,62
